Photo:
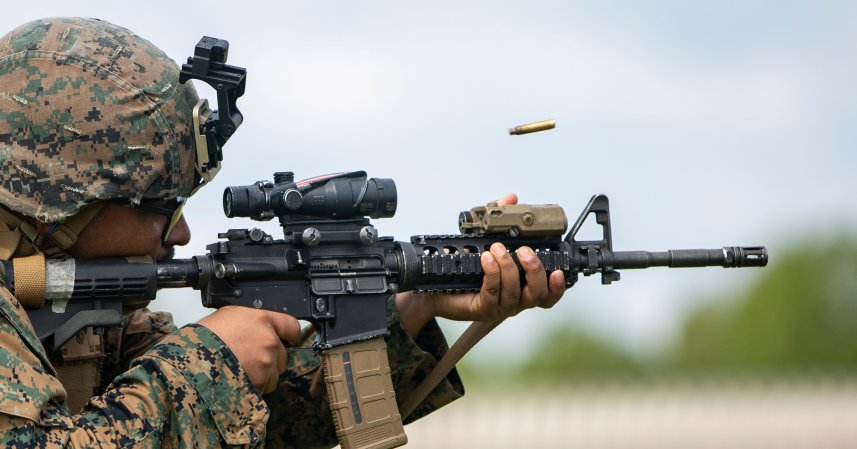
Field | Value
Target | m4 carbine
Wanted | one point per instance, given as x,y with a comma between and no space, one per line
331,268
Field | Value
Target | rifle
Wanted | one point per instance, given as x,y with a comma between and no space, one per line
331,268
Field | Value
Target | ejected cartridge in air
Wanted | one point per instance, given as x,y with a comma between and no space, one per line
514,220
533,127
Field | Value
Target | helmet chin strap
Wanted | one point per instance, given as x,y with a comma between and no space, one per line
63,234
28,254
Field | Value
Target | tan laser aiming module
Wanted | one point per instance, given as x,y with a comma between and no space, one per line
514,220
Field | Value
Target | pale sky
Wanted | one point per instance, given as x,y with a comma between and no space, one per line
707,124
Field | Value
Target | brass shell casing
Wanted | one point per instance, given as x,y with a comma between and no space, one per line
533,127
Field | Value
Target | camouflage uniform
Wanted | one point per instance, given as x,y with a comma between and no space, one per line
187,390
91,112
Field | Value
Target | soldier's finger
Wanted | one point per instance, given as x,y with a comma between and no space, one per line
287,328
272,379
489,294
508,199
556,287
535,292
510,280
281,328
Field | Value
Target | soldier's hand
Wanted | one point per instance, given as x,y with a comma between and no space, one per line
256,338
501,294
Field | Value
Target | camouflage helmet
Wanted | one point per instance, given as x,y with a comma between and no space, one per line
90,111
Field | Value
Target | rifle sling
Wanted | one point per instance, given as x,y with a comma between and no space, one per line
472,335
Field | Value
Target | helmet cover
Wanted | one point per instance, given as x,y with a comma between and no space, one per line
90,111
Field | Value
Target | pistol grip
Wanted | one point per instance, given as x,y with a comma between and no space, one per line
361,396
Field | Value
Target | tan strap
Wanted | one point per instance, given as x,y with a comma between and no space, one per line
10,219
9,240
472,335
10,236
65,234
29,230
30,280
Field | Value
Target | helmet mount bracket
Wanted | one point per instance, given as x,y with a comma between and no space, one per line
214,128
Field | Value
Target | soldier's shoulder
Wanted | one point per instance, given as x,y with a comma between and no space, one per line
9,305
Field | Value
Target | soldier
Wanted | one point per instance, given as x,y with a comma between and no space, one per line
97,155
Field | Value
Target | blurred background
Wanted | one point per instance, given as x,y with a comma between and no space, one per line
707,123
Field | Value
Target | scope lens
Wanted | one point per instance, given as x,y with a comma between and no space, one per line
239,201
382,192
227,203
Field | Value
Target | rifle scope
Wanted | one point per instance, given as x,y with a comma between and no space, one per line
339,195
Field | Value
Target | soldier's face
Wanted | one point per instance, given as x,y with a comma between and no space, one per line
120,231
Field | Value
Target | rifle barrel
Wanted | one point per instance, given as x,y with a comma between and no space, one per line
727,257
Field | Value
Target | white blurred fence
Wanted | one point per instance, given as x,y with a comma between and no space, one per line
782,416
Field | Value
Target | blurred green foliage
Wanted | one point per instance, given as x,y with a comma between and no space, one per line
799,317
573,355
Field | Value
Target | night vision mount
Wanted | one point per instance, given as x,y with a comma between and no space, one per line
213,128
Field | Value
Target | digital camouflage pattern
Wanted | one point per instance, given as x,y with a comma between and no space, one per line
90,111
140,330
187,390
